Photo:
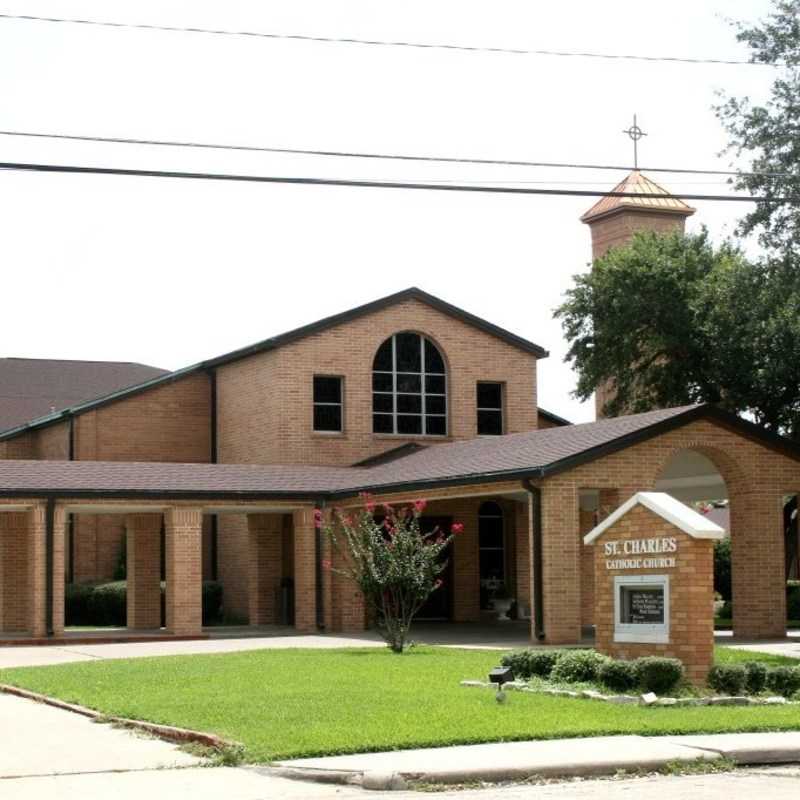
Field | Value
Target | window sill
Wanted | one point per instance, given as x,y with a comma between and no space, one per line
415,436
328,435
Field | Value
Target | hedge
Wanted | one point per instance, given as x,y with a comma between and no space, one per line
105,604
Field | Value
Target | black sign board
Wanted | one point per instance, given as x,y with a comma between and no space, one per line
642,605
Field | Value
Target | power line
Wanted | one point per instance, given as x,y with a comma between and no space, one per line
388,43
370,184
383,156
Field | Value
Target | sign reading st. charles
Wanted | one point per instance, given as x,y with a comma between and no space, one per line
639,553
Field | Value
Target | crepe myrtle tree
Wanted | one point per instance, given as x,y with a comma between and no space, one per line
385,553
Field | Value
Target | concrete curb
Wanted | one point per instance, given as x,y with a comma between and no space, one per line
743,749
168,732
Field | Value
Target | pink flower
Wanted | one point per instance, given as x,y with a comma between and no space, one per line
317,518
326,564
456,528
437,583
419,506
369,503
388,509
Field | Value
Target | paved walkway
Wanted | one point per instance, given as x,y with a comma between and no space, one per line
38,739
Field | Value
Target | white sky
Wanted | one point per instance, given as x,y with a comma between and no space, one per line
172,272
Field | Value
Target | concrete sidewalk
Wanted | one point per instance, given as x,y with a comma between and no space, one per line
508,761
40,740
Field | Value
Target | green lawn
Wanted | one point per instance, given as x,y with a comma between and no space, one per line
282,703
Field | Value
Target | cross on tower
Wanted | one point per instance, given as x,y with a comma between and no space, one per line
635,133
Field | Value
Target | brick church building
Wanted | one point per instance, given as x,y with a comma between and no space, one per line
214,471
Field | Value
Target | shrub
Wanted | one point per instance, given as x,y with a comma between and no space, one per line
784,680
212,602
659,675
727,678
530,662
726,612
755,677
108,604
577,666
793,600
618,675
76,603
722,568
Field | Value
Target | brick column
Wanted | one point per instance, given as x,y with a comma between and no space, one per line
561,562
522,553
143,564
758,567
14,579
184,562
36,572
59,546
264,566
305,576
466,589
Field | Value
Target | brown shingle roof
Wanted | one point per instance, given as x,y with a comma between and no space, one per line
35,387
638,184
535,454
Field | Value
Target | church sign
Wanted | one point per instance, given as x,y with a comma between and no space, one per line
654,582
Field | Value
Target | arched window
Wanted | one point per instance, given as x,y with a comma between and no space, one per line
409,392
491,548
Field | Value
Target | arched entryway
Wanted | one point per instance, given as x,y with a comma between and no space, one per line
750,564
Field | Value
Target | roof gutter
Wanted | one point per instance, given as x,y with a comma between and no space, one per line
535,522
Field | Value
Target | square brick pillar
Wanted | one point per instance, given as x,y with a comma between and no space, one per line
561,562
305,571
758,568
36,572
184,563
59,569
522,554
265,532
14,577
143,563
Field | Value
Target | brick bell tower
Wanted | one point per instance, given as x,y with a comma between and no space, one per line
614,220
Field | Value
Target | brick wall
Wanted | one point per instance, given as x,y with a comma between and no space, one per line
691,594
265,401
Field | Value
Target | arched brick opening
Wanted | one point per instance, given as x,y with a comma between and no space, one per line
757,540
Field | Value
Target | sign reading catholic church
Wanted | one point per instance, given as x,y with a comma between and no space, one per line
641,553
654,563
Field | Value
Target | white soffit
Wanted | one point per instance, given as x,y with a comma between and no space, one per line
666,506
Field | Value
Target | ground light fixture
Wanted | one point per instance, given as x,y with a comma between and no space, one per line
499,676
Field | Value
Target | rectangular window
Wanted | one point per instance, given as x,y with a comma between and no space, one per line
490,409
327,404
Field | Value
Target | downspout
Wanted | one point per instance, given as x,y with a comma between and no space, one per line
71,518
535,499
50,513
319,595
212,377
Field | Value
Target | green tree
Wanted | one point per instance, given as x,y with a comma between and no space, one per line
769,134
674,320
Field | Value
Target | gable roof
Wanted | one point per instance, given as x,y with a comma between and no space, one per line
535,455
637,184
551,417
280,340
35,387
679,514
